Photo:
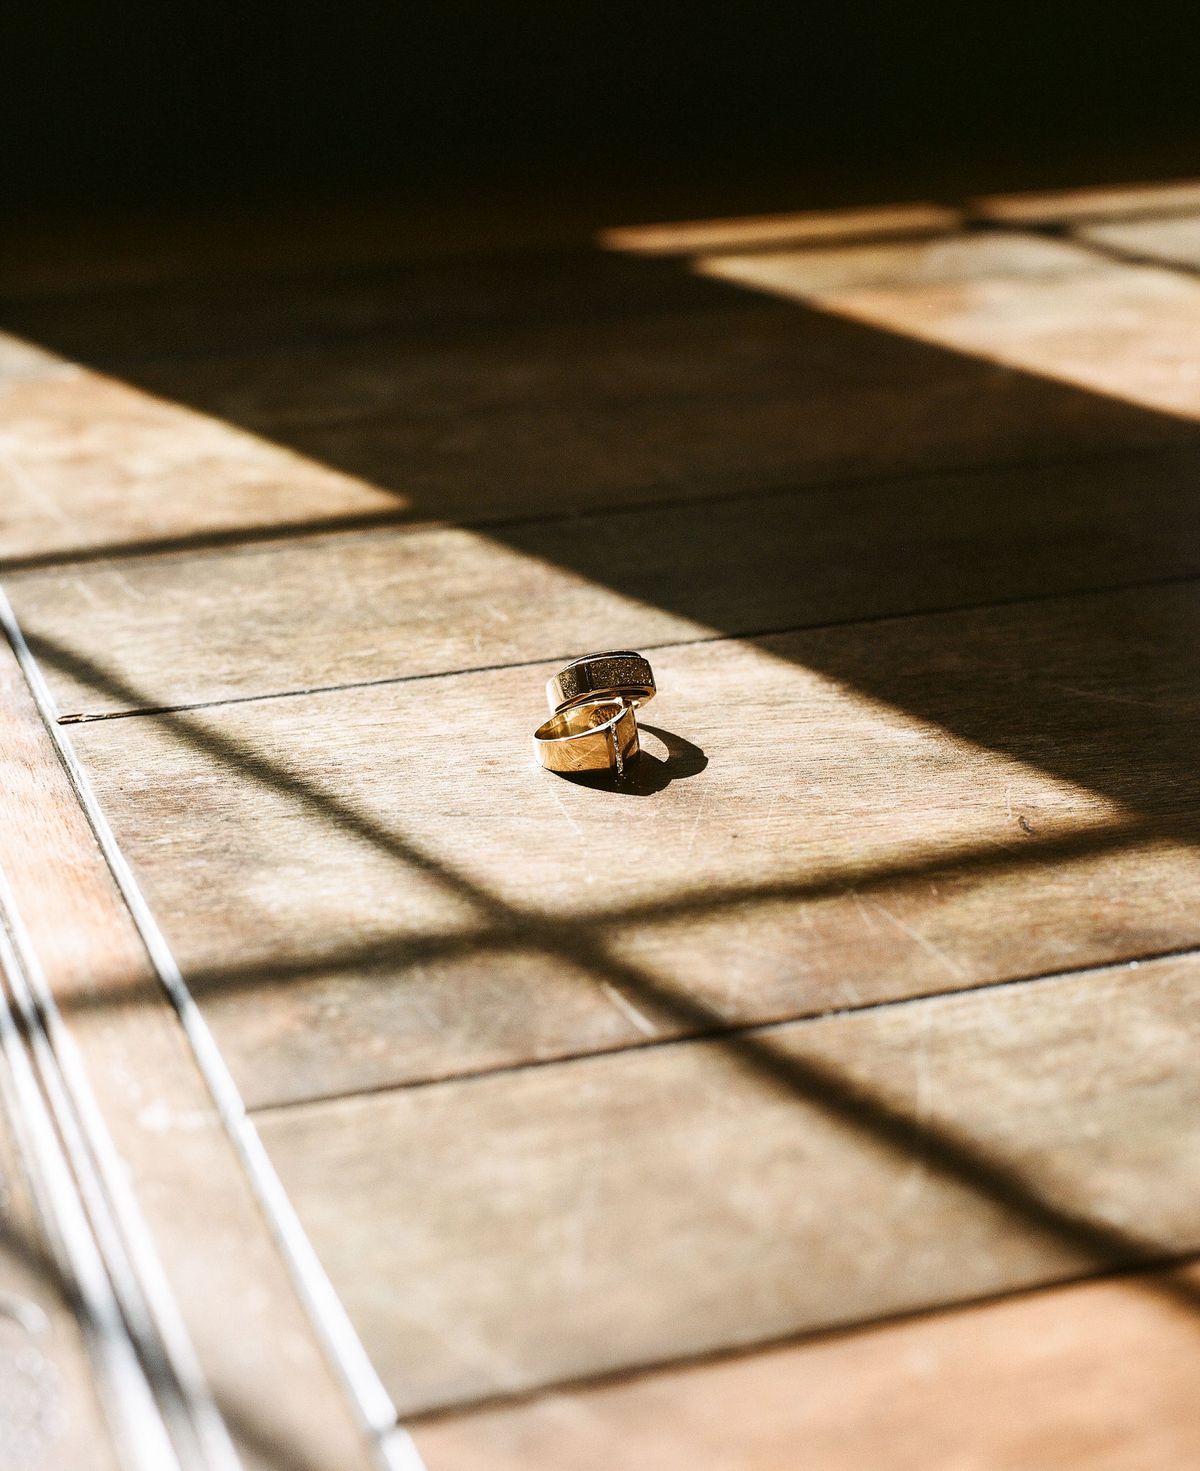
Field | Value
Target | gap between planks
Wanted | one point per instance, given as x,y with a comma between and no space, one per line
749,635
277,538
732,1033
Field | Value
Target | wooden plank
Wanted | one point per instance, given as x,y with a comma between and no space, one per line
736,393
1100,1374
510,1232
405,602
50,1417
945,260
686,237
377,886
154,1121
163,245
427,304
538,387
479,953
88,462
423,301
1066,206
129,247
1123,331
1175,241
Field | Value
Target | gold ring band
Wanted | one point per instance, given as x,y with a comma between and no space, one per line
595,735
622,675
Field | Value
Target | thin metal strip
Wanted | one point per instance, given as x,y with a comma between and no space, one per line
146,1303
124,1391
375,1408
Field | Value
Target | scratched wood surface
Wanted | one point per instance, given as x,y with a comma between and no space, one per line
376,885
546,1068
403,603
650,1206
550,384
1099,1374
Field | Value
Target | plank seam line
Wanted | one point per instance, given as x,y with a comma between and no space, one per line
651,1369
392,1443
279,538
129,1404
1180,579
717,1034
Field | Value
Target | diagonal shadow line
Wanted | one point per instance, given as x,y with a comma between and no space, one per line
1184,580
634,585
289,784
271,1446
652,502
1102,1244
867,1112
512,927
416,949
895,1129
207,541
1140,1278
669,281
32,1252
1124,255
507,918
19,1244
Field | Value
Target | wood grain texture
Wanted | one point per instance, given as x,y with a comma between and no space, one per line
1098,1374
624,1210
373,888
407,602
1120,330
522,387
50,1417
252,1337
377,886
734,394
1065,206
90,463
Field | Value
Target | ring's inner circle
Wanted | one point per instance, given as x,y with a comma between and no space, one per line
579,719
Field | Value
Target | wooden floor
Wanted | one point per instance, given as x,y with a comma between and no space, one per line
822,1098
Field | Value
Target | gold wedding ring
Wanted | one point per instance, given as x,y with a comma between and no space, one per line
593,735
622,675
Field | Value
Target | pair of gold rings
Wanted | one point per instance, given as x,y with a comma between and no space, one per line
594,725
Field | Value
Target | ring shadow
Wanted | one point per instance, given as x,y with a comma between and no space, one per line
647,774
1005,692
